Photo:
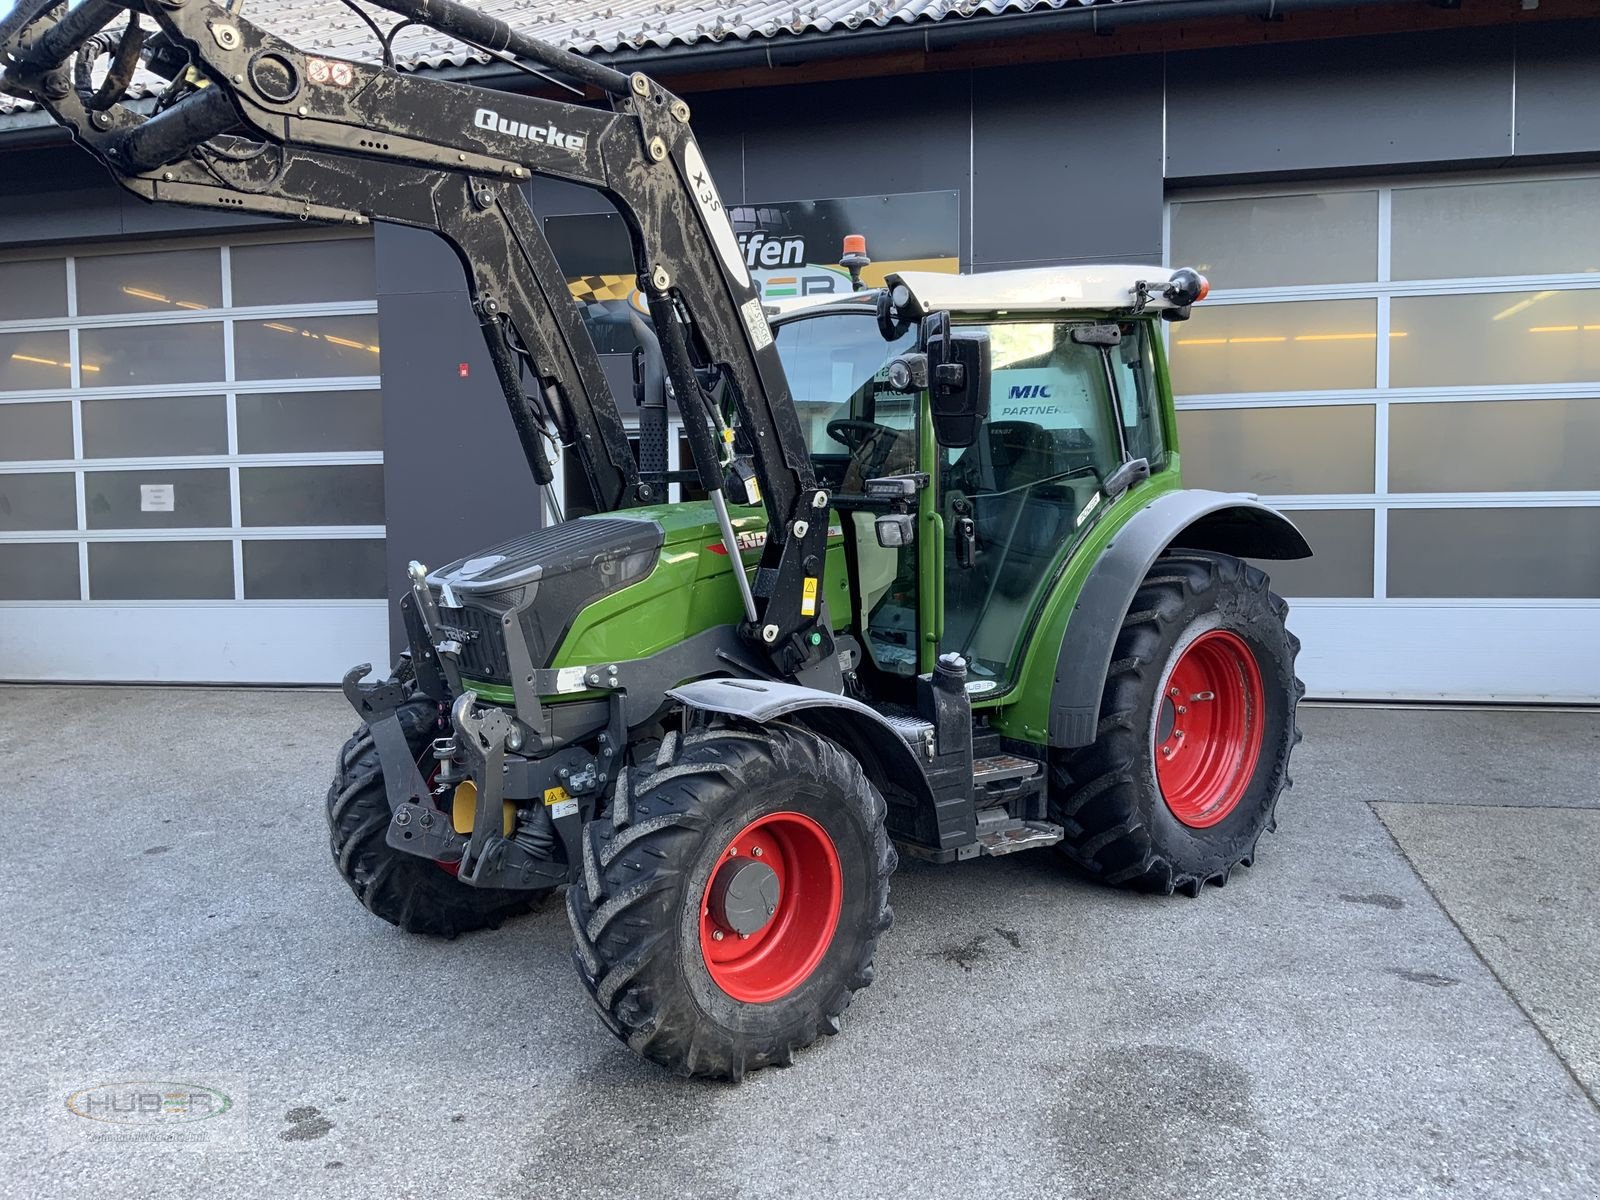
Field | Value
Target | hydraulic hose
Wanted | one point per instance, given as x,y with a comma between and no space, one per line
63,39
168,136
471,25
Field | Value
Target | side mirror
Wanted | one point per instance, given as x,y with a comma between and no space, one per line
958,380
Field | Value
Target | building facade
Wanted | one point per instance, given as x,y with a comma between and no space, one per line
221,442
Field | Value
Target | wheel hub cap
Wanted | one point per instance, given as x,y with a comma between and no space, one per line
1209,728
771,907
744,895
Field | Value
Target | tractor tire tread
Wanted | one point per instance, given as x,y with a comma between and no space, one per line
409,892
624,948
1095,794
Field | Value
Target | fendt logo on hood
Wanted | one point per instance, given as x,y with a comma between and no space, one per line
544,135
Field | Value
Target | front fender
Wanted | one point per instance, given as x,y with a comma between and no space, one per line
883,754
1194,519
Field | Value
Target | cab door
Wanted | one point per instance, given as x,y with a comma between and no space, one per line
859,428
1018,500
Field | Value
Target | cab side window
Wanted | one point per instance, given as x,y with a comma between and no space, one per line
1133,365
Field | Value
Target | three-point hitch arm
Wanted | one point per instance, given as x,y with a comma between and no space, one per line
330,139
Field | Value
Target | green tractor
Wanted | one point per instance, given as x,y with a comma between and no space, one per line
1043,640
944,596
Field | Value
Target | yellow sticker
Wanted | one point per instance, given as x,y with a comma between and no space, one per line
555,795
808,597
727,434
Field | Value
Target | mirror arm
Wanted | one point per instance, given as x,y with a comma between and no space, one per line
1133,471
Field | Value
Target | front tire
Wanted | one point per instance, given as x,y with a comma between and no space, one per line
774,831
417,895
1197,723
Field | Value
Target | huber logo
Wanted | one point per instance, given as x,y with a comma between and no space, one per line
148,1103
544,135
1029,391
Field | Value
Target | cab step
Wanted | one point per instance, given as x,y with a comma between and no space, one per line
1003,768
1024,835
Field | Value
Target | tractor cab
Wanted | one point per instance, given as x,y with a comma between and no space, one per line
972,429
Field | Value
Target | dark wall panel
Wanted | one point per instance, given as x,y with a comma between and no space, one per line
63,195
908,134
1058,176
1558,103
455,479
1350,103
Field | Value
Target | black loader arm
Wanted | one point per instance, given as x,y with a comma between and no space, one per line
326,136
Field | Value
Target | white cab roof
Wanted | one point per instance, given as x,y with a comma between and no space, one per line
1036,289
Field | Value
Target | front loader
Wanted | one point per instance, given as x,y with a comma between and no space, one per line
945,595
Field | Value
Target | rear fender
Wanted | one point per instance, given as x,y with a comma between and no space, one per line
1193,519
883,754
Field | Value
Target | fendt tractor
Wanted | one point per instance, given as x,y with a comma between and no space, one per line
945,596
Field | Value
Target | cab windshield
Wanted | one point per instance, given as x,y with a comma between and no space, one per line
856,427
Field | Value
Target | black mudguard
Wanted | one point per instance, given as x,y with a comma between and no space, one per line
1195,519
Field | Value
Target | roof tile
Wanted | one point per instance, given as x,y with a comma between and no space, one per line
602,26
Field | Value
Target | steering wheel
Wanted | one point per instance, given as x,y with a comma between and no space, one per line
854,434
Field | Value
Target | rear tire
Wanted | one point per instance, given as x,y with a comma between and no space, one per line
1197,723
417,895
642,914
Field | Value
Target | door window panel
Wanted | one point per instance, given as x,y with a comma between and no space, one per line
160,570
167,281
157,498
35,361
38,501
1279,241
155,427
303,272
1521,227
351,495
37,431
1498,553
314,570
1300,346
1279,451
1495,446
39,571
150,355
306,347
286,422
30,290
1546,336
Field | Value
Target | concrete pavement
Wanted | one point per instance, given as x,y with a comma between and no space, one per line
1381,1007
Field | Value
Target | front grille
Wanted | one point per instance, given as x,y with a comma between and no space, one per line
483,648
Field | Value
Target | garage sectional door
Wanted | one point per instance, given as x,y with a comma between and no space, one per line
1413,372
191,467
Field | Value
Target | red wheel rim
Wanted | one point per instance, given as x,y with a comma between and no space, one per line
771,962
1209,728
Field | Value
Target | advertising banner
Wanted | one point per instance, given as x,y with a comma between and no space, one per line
791,247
